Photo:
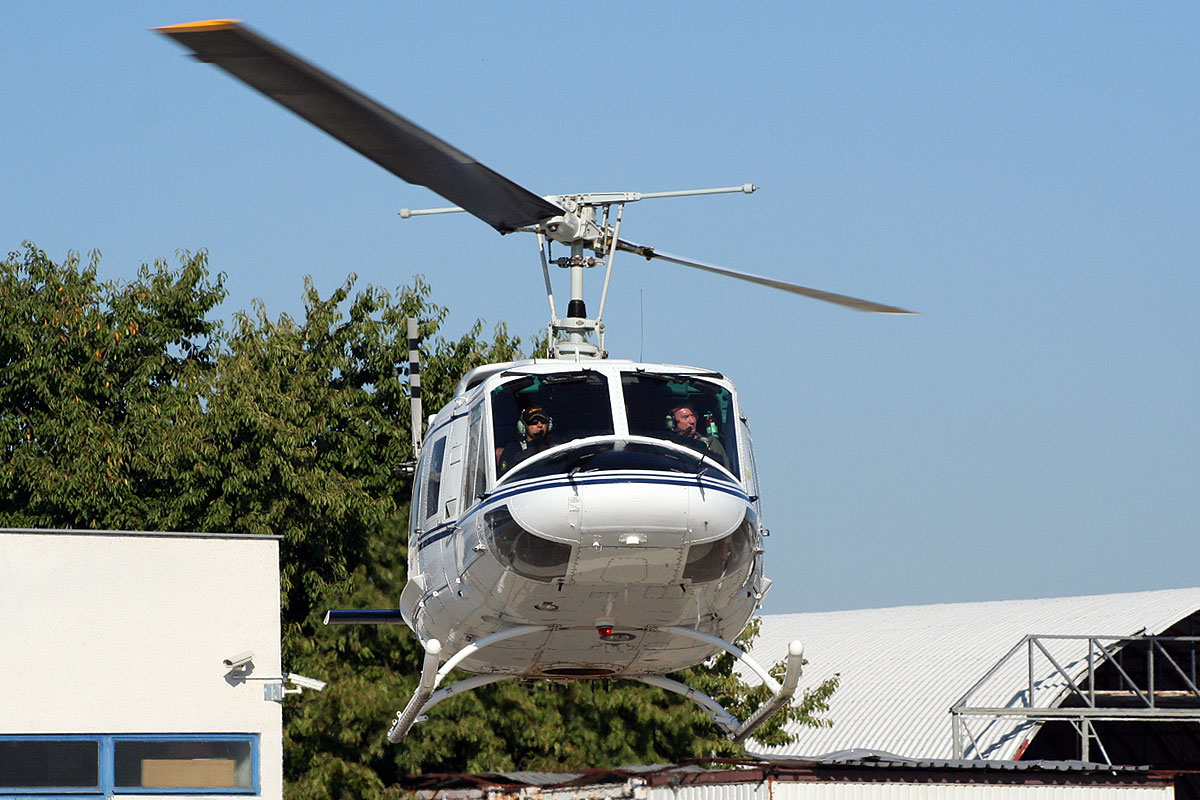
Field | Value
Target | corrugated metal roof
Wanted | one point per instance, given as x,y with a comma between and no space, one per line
881,760
528,779
852,774
902,668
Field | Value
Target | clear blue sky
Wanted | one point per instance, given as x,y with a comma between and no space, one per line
1025,174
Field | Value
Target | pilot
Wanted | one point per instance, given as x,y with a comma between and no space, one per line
683,424
534,427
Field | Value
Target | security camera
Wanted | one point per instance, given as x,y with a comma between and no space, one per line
238,661
307,683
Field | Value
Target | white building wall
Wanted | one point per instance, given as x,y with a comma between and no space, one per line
106,633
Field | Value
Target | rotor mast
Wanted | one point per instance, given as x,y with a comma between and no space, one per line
576,336
569,338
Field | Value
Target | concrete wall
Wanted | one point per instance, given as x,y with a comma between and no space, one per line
125,633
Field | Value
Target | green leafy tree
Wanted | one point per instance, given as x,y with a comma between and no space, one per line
96,382
125,406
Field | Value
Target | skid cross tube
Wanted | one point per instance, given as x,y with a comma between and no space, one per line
732,649
465,685
781,693
716,712
424,698
428,695
791,678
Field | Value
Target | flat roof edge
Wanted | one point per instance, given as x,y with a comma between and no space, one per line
160,534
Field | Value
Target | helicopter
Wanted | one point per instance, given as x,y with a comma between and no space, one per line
573,517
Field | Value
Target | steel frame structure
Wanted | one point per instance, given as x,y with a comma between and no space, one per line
1060,682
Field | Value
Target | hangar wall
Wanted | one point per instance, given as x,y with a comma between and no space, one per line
902,669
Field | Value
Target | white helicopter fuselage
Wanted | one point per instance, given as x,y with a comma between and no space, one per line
617,530
629,542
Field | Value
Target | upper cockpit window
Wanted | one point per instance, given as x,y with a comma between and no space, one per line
683,409
532,413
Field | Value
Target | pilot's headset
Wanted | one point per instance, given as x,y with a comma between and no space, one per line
705,420
670,418
530,414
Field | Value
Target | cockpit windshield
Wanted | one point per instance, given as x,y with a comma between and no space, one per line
534,412
685,409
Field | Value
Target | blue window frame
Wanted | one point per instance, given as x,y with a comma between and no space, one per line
100,765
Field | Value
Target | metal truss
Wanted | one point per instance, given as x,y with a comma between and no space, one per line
1062,667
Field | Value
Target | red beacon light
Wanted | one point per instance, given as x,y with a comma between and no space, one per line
604,630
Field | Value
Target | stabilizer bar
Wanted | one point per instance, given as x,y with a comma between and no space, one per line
364,616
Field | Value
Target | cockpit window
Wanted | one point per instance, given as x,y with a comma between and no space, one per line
684,409
724,558
535,412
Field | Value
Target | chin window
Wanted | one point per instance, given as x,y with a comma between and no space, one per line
527,554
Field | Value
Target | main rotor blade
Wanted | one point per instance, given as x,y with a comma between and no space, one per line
380,134
817,294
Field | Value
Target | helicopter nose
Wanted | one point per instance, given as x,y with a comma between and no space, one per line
604,514
631,532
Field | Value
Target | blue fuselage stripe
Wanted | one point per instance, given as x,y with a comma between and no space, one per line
445,529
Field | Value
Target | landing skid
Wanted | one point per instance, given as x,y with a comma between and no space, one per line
428,695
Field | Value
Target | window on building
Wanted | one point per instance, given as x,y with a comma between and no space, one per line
81,764
184,764
42,764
